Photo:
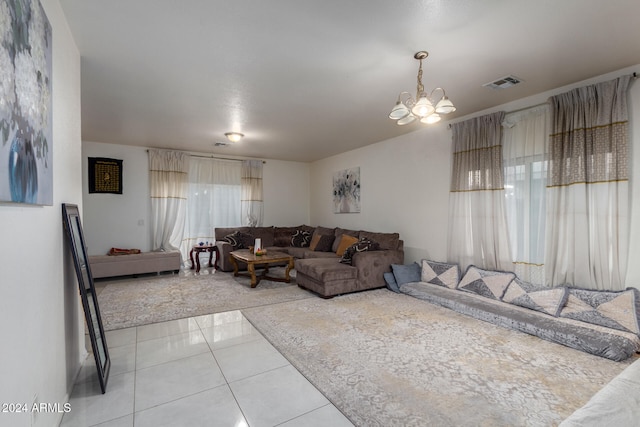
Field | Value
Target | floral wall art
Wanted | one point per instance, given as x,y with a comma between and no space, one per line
26,174
346,191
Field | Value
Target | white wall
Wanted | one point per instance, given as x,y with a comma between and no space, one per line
118,220
404,189
41,322
405,182
124,221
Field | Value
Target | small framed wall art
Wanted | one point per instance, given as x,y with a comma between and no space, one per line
105,175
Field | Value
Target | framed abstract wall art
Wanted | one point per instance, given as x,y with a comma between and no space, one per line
26,174
346,191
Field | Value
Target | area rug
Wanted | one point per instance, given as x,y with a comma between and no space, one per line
151,299
386,359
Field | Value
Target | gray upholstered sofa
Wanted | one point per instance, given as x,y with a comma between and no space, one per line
318,268
577,318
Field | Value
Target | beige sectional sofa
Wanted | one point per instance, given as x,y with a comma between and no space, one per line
319,268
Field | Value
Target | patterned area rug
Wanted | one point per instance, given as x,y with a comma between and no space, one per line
386,359
151,299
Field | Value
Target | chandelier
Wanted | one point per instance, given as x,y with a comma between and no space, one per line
422,107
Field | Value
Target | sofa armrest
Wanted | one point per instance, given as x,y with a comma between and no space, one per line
372,265
224,251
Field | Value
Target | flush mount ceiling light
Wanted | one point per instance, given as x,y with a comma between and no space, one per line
422,107
234,136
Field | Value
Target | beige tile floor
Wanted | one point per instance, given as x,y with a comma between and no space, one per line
213,370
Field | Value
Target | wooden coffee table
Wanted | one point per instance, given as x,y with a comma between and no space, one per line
270,258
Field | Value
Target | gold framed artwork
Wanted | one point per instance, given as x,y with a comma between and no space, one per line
105,175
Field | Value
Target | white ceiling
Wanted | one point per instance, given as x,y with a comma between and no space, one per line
307,79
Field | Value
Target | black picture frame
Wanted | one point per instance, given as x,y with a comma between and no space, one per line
105,175
73,229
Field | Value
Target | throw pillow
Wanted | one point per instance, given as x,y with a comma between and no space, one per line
440,273
390,279
361,245
536,297
301,239
239,240
488,283
617,310
407,273
344,243
320,243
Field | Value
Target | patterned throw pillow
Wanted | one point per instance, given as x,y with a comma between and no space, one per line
344,241
440,273
617,310
300,239
536,297
488,283
239,240
361,245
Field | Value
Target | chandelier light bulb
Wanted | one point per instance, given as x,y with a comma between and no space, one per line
423,107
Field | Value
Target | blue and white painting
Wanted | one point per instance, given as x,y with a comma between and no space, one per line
26,174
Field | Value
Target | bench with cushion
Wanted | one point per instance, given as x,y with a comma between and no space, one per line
132,264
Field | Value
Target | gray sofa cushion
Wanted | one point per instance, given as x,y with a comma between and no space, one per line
390,279
488,283
604,342
440,273
406,273
618,310
535,297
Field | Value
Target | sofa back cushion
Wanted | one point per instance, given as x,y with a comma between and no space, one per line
321,243
222,232
387,241
617,310
536,297
440,273
282,236
265,234
239,240
488,283
338,233
344,241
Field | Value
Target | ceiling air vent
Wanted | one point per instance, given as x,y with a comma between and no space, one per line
503,82
221,144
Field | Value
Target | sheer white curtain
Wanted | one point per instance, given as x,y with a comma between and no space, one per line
168,187
525,135
252,203
588,191
477,226
213,200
